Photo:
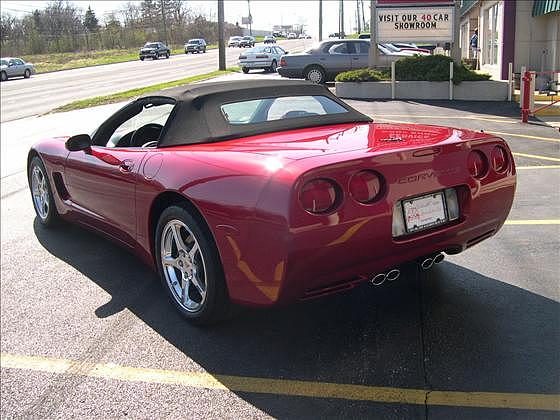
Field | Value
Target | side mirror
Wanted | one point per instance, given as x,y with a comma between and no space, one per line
78,142
286,52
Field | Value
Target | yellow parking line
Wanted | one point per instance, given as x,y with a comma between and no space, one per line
550,402
534,222
525,136
552,159
538,167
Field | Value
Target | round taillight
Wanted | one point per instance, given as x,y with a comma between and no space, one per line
319,196
499,159
477,163
365,186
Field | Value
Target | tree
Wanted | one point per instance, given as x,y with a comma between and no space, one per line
90,20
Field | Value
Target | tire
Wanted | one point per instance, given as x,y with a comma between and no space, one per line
315,74
156,57
204,50
4,76
272,67
245,70
141,58
27,74
41,193
167,55
201,308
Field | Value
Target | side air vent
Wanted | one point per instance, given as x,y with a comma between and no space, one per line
59,185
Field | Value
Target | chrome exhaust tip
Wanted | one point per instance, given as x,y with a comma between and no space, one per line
378,279
427,263
438,259
393,274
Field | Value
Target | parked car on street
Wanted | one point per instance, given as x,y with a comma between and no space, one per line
14,67
292,35
247,41
268,192
154,50
261,57
234,41
269,39
323,61
197,45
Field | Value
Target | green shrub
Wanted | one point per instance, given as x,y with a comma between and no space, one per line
360,75
434,68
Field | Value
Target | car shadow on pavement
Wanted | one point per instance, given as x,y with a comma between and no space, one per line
447,329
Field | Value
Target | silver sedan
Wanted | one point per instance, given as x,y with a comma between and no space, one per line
12,67
261,57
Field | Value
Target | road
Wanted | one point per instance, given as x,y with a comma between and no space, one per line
26,97
87,331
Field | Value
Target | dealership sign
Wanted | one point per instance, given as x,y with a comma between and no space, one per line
415,24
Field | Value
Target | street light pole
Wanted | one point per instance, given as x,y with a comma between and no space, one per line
221,43
320,20
250,18
373,53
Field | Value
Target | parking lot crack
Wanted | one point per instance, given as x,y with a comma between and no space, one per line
423,349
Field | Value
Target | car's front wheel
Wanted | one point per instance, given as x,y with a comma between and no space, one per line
245,70
141,58
166,55
27,74
41,193
315,74
4,76
190,267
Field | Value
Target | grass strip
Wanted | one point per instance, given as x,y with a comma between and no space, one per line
133,93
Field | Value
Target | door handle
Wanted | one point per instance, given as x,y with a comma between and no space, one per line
126,165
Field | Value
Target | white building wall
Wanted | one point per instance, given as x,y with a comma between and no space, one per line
537,39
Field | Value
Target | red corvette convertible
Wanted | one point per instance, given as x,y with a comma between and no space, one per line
271,192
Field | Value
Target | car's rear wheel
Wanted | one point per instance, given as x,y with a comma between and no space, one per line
3,76
272,67
190,267
41,193
315,74
245,70
27,74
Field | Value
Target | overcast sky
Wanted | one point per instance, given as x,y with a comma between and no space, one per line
266,13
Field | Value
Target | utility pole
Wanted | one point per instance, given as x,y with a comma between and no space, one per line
363,16
221,43
162,4
373,53
320,20
250,18
358,16
341,34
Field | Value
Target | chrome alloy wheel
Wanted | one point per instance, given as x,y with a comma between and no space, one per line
40,192
183,265
315,76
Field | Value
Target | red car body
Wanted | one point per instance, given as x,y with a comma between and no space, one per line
248,192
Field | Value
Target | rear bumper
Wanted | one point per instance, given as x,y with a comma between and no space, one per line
308,256
290,73
255,64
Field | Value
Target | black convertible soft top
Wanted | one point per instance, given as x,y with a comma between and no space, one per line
197,116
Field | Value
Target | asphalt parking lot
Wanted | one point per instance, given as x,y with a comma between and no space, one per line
88,332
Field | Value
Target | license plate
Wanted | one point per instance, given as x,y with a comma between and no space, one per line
424,212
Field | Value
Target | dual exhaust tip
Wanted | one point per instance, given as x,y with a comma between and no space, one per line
395,273
380,278
427,263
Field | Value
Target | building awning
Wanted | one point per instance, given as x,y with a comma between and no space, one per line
543,7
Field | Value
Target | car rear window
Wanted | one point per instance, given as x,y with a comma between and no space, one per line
279,108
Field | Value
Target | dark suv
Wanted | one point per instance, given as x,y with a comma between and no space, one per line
154,50
197,45
247,41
